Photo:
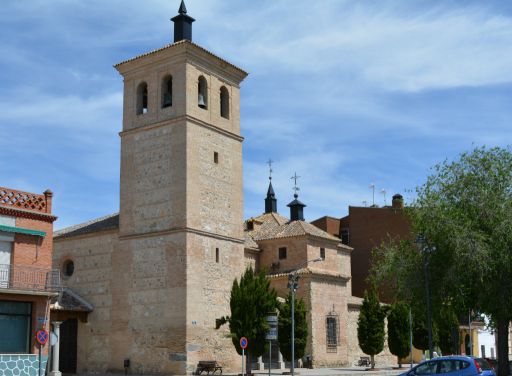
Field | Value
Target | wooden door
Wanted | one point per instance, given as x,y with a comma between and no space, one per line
67,347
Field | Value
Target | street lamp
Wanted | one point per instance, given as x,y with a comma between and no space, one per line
293,285
426,250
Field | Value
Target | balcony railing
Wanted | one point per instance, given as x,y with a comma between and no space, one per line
27,278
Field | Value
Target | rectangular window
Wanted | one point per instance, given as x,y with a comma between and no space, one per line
282,253
331,329
322,253
217,255
250,225
215,157
345,236
15,319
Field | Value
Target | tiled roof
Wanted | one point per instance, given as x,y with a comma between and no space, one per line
68,300
108,222
249,242
275,226
176,44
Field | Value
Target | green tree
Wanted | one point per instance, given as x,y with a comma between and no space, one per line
285,328
447,324
370,325
251,301
399,331
464,209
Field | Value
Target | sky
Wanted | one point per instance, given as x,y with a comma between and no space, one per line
344,93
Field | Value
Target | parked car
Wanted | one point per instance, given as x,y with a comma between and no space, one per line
454,365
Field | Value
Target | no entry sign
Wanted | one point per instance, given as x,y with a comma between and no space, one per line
42,337
243,342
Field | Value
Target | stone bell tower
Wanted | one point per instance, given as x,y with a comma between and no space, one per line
181,209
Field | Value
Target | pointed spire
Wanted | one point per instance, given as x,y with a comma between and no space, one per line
296,207
183,8
182,24
270,201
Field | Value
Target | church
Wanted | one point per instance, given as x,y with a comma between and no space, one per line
145,286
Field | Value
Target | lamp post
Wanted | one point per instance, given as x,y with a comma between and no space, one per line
426,250
293,285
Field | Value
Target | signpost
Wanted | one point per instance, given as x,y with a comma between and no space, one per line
271,336
243,344
41,338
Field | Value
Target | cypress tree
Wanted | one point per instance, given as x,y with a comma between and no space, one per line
370,325
398,331
251,301
285,328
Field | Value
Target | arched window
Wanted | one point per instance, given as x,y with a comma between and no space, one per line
167,91
202,93
224,102
142,98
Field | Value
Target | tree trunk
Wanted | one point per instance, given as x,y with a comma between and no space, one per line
372,357
248,363
502,347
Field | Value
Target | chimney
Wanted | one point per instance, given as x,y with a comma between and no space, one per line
398,201
48,194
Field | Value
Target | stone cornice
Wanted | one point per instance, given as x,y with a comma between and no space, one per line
182,229
184,51
314,274
178,120
27,214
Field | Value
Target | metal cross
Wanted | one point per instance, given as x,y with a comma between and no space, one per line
295,188
270,161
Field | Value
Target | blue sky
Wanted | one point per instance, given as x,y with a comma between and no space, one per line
345,93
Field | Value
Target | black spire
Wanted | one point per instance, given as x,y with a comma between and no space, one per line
296,207
270,201
182,24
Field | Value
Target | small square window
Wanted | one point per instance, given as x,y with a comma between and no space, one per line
250,225
217,255
322,253
282,253
215,157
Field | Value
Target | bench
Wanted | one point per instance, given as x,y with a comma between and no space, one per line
208,366
364,361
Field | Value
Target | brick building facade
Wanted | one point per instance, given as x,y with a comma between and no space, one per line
27,280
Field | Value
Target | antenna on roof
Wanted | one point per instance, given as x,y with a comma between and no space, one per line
364,203
270,171
372,187
383,191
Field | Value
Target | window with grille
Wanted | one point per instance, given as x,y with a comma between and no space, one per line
331,326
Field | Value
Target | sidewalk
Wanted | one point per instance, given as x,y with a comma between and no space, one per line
339,371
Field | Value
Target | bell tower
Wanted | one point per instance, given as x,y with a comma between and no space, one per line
181,203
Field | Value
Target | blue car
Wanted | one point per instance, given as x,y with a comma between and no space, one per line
455,365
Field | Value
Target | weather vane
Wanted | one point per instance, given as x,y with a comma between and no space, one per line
270,171
295,188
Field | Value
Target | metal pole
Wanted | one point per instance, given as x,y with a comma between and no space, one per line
243,352
470,336
429,312
292,368
410,332
39,371
269,356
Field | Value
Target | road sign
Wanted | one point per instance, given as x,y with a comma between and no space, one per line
272,328
42,337
244,342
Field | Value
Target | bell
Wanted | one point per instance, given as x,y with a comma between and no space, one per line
200,101
167,100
